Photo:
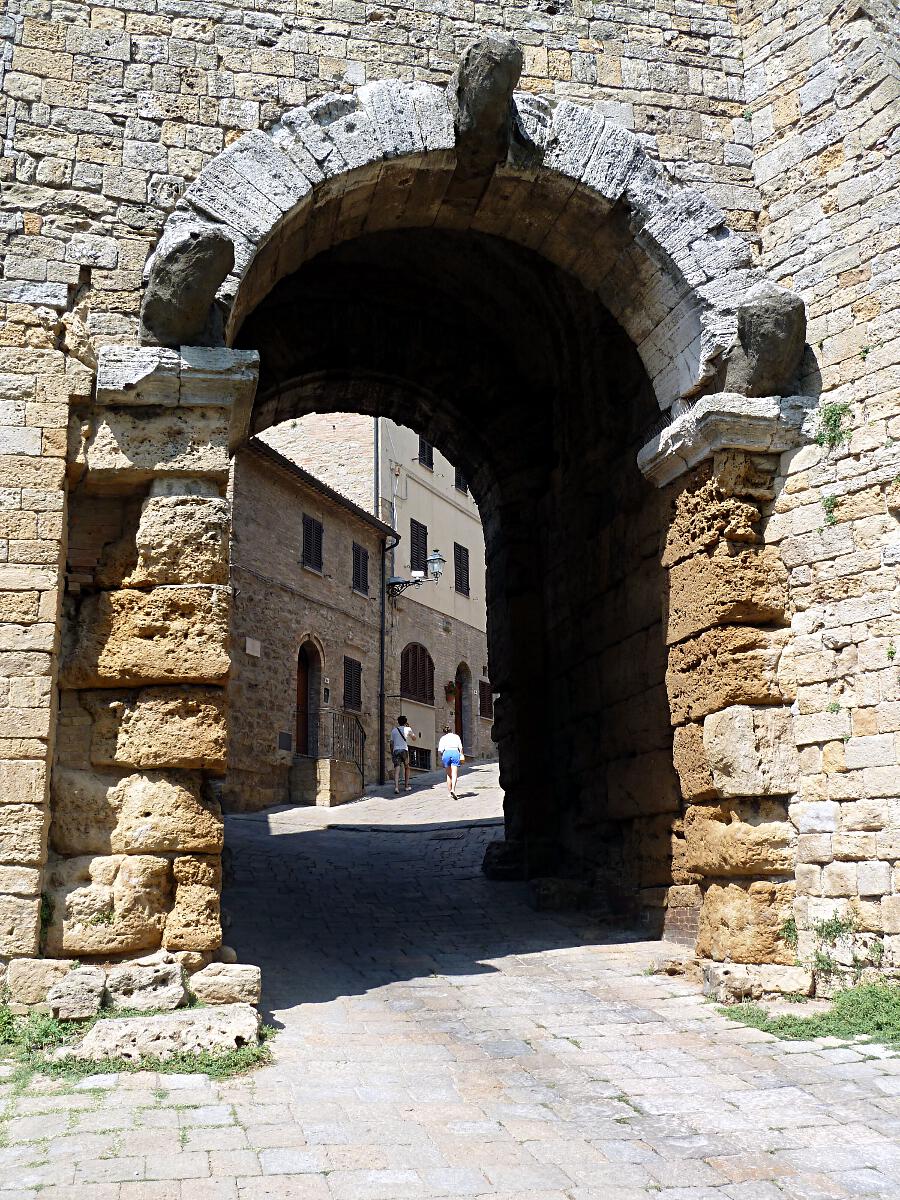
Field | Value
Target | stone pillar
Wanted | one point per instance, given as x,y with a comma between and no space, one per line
726,623
135,835
37,385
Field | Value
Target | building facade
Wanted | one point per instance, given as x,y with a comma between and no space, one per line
436,636
643,292
304,693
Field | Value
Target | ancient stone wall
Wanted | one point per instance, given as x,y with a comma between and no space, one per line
278,604
823,97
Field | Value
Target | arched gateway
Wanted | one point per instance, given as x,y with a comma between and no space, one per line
596,351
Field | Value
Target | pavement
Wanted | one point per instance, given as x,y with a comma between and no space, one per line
439,1038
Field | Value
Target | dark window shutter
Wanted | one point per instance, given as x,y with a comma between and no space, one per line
312,543
360,569
426,453
461,568
485,698
418,545
352,684
417,674
460,482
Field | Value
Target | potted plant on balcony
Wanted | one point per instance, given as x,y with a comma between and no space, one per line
450,689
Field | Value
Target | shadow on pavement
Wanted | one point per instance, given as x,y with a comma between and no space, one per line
342,910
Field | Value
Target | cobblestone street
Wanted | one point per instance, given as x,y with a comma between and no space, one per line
439,1038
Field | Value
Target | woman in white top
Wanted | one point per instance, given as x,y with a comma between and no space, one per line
451,751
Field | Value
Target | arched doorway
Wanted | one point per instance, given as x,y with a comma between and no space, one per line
531,322
309,691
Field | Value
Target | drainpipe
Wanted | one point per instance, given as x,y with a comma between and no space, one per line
381,654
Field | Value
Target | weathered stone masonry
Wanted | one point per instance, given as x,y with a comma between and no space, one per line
819,640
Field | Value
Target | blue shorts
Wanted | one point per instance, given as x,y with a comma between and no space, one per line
450,758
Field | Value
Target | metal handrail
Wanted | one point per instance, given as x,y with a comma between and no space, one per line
331,733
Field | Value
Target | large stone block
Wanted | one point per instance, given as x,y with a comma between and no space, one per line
642,785
29,979
751,751
167,635
192,1032
181,539
158,727
154,813
22,782
194,922
78,995
741,838
227,983
690,761
20,926
742,923
146,986
743,587
705,515
107,905
135,445
23,834
734,664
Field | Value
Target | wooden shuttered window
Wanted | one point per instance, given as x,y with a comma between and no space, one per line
461,569
460,482
352,684
312,543
485,699
360,569
418,545
417,674
426,453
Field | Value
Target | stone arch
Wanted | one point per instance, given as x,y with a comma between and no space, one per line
575,186
689,314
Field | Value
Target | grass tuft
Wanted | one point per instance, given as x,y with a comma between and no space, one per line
870,1010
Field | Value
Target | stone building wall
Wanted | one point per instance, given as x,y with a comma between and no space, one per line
278,605
338,448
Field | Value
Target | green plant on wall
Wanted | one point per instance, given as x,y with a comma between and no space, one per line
830,430
829,503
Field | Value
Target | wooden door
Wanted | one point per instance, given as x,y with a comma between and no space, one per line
302,745
458,705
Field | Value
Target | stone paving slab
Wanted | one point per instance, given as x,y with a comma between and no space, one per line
439,1039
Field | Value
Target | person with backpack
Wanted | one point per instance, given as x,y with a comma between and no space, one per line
401,736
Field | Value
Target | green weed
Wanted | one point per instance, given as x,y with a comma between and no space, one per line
829,503
833,707
830,431
829,931
788,933
870,1010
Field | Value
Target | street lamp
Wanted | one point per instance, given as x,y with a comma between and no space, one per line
435,569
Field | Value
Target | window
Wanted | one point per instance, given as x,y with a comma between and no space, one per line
352,684
417,674
419,759
459,481
312,543
461,569
485,699
426,454
360,570
418,545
